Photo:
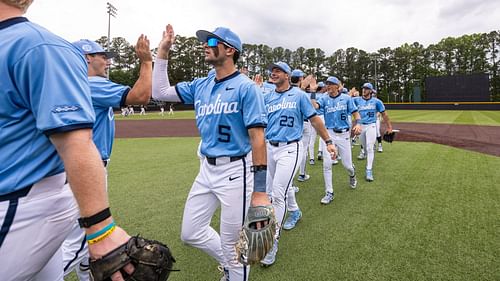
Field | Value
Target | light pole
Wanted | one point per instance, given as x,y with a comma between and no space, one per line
111,12
375,57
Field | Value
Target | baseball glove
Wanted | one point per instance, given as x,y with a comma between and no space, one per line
389,137
254,244
151,259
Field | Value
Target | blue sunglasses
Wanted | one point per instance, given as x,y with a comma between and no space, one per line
213,42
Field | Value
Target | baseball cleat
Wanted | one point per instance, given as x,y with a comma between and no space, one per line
335,161
295,188
270,258
328,198
225,273
361,155
320,156
303,177
369,175
311,162
293,218
353,181
380,149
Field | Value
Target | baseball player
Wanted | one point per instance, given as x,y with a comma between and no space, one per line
106,95
368,107
231,117
287,107
46,118
321,144
337,108
297,76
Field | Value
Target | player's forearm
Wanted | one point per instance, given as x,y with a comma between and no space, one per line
84,169
387,120
320,128
259,154
161,85
141,92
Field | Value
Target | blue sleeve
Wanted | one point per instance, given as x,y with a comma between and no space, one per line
351,106
108,94
380,106
56,82
306,107
321,102
254,110
186,91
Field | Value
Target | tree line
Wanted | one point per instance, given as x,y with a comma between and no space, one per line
394,72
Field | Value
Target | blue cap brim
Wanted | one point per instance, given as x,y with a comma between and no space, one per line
273,65
203,35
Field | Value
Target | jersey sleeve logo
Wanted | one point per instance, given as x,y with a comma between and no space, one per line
65,108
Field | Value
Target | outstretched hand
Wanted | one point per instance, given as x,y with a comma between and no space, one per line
142,49
167,40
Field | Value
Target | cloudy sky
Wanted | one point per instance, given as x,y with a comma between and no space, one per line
326,24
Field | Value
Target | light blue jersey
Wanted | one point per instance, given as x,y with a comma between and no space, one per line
43,90
267,87
368,109
337,111
224,110
320,111
106,95
286,112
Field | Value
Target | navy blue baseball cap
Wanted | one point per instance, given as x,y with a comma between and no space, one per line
297,73
368,86
333,80
280,65
89,47
222,33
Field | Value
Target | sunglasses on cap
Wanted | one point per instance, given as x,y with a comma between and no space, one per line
213,42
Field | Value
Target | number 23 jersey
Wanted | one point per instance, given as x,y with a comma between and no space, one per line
286,112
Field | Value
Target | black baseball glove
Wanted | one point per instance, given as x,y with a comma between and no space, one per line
254,244
389,137
151,259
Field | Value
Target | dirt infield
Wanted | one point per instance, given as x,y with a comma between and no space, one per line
484,139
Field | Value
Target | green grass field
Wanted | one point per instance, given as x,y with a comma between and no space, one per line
432,213
467,117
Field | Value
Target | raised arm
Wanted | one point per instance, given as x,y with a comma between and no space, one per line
161,85
141,92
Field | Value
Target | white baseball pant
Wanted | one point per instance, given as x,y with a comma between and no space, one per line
368,137
282,162
230,186
306,137
343,143
34,227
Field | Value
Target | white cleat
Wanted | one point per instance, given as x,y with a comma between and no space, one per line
353,182
328,198
303,177
270,258
380,149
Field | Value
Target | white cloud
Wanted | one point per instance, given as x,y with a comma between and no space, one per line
329,25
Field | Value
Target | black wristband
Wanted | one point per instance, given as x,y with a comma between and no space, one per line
328,142
257,168
94,219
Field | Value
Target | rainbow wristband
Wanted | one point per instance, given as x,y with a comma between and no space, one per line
101,232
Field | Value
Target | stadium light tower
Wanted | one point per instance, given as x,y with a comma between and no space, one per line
111,12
